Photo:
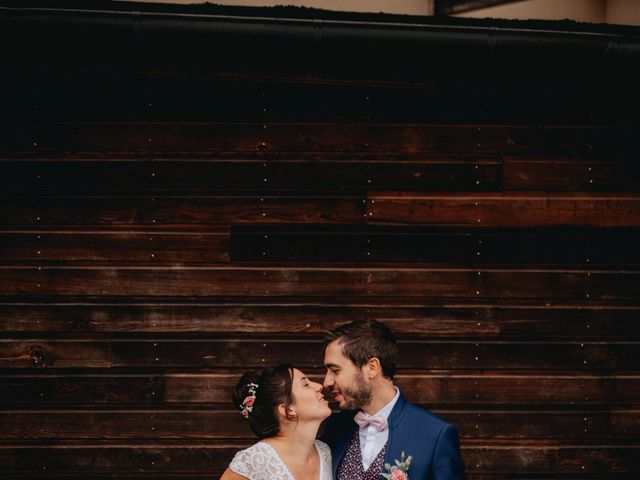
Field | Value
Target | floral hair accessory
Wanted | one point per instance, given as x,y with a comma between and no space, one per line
247,404
399,470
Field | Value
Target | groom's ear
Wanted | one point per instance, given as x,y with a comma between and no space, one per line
372,368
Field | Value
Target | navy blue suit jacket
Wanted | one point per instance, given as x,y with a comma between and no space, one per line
432,442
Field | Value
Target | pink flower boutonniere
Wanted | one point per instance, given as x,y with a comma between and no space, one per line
399,470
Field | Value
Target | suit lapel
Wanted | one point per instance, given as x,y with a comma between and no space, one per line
394,444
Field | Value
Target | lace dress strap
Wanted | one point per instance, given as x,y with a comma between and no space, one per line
326,468
259,462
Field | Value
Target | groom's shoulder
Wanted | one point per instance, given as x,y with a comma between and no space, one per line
419,417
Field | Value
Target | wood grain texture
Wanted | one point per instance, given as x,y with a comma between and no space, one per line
239,95
305,353
529,321
153,139
272,282
203,211
572,246
210,425
433,389
505,210
563,174
148,246
171,177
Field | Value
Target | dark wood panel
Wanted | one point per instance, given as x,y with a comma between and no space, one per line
552,457
86,95
437,389
118,352
123,458
516,210
205,177
505,387
523,174
184,424
203,140
437,245
291,243
272,282
307,353
129,388
531,457
301,317
214,210
47,246
21,354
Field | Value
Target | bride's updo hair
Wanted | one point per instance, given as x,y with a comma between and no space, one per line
271,387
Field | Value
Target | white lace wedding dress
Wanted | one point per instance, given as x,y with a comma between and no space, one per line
261,462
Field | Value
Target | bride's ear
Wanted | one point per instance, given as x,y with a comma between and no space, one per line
287,412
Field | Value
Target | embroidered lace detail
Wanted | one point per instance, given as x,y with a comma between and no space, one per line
261,462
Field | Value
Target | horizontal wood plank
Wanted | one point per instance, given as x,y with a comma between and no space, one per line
70,95
162,177
228,353
205,139
437,245
212,210
551,285
562,174
436,389
184,424
166,176
477,210
323,243
150,246
476,320
505,210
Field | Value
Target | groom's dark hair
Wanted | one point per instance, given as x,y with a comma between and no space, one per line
364,339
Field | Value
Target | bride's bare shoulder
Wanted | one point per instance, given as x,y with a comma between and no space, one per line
231,475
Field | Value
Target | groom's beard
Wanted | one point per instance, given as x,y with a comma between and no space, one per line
357,396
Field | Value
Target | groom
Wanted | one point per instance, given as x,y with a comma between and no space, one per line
377,425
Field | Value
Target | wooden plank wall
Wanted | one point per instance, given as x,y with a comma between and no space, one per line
162,232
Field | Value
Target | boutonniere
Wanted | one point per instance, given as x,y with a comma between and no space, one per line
399,470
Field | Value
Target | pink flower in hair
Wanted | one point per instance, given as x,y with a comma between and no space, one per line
247,404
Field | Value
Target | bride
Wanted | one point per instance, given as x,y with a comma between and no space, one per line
284,409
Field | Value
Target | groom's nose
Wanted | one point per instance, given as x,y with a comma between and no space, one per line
328,381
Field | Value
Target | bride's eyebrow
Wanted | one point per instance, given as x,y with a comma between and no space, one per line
303,379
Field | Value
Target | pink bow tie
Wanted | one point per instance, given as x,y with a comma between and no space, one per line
363,420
